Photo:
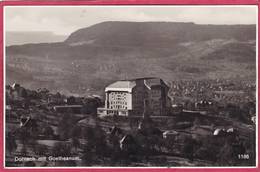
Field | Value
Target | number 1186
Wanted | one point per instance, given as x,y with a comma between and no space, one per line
243,156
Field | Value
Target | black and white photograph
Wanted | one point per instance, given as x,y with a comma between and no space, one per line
130,86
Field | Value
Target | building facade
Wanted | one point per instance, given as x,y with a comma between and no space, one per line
126,98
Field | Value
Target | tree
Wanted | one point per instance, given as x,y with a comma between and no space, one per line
71,100
48,131
41,150
208,150
61,149
189,148
96,144
75,143
64,150
24,135
225,156
115,151
65,125
10,143
88,155
22,92
76,132
90,105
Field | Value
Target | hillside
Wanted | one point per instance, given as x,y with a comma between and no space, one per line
157,34
20,38
91,58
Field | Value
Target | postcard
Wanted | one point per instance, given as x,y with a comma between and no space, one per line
130,86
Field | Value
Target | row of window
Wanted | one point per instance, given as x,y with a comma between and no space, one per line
118,107
118,102
117,94
117,98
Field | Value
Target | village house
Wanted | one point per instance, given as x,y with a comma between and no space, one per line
16,92
126,97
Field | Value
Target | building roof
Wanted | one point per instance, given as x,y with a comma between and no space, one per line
128,85
153,82
121,86
15,86
219,131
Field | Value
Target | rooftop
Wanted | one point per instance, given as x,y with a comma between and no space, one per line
153,82
121,86
128,85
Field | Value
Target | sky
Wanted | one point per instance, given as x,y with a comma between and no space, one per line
64,20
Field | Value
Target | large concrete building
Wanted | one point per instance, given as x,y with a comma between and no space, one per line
127,97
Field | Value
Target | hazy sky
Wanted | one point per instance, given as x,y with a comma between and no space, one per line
64,20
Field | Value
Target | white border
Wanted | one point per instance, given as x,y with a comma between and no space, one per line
131,6
256,93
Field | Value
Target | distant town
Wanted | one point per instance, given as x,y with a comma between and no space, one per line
136,122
